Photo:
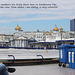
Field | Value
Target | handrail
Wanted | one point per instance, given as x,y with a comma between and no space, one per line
13,58
42,58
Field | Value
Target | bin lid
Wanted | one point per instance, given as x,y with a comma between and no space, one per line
67,46
71,50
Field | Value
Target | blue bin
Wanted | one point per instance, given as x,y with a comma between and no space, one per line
63,54
73,59
70,59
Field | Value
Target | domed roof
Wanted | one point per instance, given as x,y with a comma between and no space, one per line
56,29
20,30
49,33
17,28
61,28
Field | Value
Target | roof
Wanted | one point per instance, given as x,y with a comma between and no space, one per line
56,29
43,42
61,28
17,28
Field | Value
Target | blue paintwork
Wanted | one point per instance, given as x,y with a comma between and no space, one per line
65,48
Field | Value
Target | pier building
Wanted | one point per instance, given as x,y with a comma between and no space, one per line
37,39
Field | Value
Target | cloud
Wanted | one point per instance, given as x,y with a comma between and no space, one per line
44,18
5,30
66,9
3,21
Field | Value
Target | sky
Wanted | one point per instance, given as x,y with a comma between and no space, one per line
31,19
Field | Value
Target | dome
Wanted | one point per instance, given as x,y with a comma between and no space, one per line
61,28
55,29
17,28
20,30
49,33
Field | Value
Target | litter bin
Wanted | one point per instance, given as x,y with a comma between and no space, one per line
64,55
73,59
70,59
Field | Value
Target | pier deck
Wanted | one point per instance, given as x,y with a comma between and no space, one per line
48,69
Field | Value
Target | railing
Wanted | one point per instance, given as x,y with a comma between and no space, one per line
42,58
13,59
25,47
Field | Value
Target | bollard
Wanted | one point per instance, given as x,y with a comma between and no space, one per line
3,70
11,70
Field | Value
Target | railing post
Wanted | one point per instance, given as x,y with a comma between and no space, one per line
13,58
42,58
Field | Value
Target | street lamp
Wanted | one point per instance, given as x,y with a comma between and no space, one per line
61,30
34,40
44,38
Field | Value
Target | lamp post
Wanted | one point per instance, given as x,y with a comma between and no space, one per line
61,34
34,40
26,43
44,39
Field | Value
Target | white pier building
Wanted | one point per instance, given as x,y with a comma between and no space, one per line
37,39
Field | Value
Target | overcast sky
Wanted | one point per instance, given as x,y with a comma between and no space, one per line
33,19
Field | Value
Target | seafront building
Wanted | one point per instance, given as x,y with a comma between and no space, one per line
37,39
